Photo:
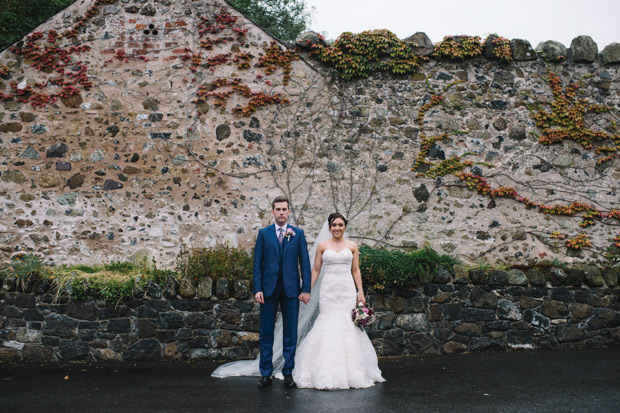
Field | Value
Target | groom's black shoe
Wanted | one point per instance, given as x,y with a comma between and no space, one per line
264,382
288,382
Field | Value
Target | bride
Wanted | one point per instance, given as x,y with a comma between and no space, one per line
336,354
332,353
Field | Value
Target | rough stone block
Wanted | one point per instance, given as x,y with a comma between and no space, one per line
536,319
583,49
82,310
536,277
241,289
393,343
593,276
73,350
145,350
413,322
422,344
452,312
554,309
516,277
478,276
187,289
60,325
569,332
9,354
122,325
522,50
611,54
222,289
205,288
519,339
36,353
170,321
552,51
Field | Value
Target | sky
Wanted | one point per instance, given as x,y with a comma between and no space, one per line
532,20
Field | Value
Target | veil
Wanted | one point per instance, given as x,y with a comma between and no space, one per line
307,314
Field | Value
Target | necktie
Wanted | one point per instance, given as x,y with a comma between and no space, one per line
280,235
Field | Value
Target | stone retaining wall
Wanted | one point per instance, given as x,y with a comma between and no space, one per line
469,311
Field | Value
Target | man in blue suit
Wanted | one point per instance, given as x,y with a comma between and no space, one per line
280,252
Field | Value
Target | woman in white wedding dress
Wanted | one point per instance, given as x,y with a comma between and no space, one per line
336,354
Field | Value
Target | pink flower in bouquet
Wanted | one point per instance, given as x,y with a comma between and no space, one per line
363,317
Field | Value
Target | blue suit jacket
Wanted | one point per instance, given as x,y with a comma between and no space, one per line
267,262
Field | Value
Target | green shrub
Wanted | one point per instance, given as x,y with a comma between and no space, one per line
384,269
25,265
113,291
76,288
120,267
158,276
221,261
87,269
112,282
108,285
26,268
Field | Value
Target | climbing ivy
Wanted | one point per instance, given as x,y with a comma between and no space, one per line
501,49
222,28
458,47
448,166
358,55
566,120
276,57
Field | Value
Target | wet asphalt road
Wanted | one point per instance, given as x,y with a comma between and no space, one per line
524,381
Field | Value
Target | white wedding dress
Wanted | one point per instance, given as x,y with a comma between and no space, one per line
336,354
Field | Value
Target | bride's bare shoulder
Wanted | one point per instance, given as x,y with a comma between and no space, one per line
353,246
321,247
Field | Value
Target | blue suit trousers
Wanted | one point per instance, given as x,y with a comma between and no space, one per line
268,311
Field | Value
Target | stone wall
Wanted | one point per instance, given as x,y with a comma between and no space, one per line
466,311
146,152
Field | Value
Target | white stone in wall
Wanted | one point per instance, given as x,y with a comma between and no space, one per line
230,240
155,231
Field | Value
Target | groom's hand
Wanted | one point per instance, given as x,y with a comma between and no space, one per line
259,297
304,297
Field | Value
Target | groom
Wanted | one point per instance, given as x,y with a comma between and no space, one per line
279,253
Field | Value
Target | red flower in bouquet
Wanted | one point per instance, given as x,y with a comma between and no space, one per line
363,317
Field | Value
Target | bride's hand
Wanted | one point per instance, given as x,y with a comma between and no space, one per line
361,298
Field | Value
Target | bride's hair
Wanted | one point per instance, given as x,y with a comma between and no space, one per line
334,216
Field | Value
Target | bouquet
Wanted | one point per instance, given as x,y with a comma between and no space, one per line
363,317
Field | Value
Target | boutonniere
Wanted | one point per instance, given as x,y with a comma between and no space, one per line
289,233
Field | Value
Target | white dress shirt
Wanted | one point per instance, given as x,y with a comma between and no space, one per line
283,228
